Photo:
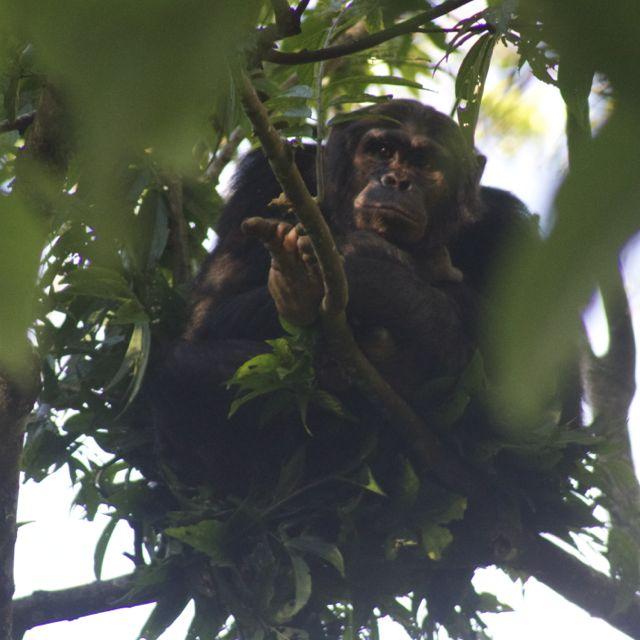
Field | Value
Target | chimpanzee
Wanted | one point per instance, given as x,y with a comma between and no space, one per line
420,238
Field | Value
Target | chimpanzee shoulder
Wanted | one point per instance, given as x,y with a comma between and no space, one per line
503,224
232,276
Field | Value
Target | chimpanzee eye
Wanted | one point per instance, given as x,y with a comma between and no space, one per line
384,151
380,149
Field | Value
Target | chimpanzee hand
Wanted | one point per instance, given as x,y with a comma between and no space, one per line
294,278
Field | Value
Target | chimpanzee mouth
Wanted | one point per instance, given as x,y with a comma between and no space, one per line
389,210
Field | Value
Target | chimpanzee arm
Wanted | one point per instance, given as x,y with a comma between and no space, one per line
436,322
250,315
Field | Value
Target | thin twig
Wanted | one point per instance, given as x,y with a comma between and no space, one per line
402,28
293,185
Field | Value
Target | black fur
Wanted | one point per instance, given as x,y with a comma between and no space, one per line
429,328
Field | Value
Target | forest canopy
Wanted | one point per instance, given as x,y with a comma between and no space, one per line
117,121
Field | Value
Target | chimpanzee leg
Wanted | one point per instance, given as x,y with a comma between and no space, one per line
194,435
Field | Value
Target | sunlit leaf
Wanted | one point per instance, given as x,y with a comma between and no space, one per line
470,83
207,536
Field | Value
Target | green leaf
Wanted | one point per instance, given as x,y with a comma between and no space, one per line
470,83
301,112
384,80
318,547
101,547
291,475
539,57
45,448
98,282
302,402
364,478
129,312
279,403
409,484
435,539
135,361
330,403
302,585
164,614
208,536
251,395
298,91
454,510
292,329
358,98
208,620
283,352
260,364
489,603
500,13
151,230
287,373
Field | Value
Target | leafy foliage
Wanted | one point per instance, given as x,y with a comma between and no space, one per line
149,93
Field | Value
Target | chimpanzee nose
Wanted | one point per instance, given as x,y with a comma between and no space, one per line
393,181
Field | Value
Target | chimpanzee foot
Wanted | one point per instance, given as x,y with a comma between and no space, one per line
294,279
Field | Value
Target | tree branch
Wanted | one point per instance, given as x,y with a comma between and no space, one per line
43,158
402,28
596,593
45,607
225,155
286,18
19,124
610,386
178,230
300,9
424,444
612,377
15,404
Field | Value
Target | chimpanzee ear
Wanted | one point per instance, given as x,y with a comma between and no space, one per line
481,162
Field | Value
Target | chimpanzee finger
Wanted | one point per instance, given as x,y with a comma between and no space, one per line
306,250
260,228
269,231
300,230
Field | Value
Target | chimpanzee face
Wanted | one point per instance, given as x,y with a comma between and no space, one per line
403,171
401,179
